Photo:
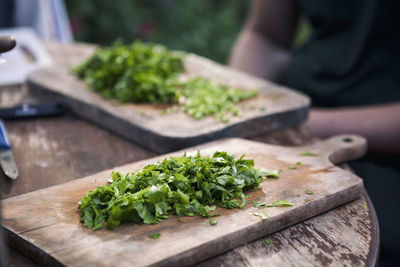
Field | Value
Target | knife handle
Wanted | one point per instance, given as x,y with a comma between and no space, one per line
4,143
32,111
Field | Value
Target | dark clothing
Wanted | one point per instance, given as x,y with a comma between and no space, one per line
353,56
381,176
6,13
351,59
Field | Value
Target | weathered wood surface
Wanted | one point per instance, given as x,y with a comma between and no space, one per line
51,151
343,233
362,247
61,238
274,108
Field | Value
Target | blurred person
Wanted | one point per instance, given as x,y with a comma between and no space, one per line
350,67
48,17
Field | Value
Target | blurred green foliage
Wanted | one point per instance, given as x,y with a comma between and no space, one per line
204,27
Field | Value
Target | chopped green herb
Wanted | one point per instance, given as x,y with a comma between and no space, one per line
263,109
258,204
308,154
309,192
139,72
149,73
263,215
270,173
298,163
183,186
268,242
276,203
280,203
141,113
179,219
247,196
292,167
201,98
155,235
213,222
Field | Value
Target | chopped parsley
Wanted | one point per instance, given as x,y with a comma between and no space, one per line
292,167
183,186
213,222
268,242
258,204
139,72
280,203
270,173
298,163
308,154
149,73
201,98
309,192
155,235
276,203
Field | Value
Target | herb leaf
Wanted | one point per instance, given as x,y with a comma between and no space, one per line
268,242
213,222
269,173
309,192
308,154
155,235
259,204
280,203
276,203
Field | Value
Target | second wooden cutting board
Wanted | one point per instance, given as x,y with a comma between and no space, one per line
45,224
275,107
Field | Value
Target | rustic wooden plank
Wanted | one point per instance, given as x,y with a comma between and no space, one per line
314,242
66,241
45,152
144,123
62,148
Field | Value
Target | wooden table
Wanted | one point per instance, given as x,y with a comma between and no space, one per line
51,151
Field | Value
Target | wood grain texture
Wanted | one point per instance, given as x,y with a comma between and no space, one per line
50,151
144,123
61,239
300,244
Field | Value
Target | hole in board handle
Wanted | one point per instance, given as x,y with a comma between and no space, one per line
347,140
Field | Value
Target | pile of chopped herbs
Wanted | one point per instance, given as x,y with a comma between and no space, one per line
139,72
203,98
149,73
182,186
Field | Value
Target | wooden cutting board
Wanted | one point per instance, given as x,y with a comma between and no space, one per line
275,107
45,224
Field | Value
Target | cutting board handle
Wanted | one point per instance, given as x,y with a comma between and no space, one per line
345,147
